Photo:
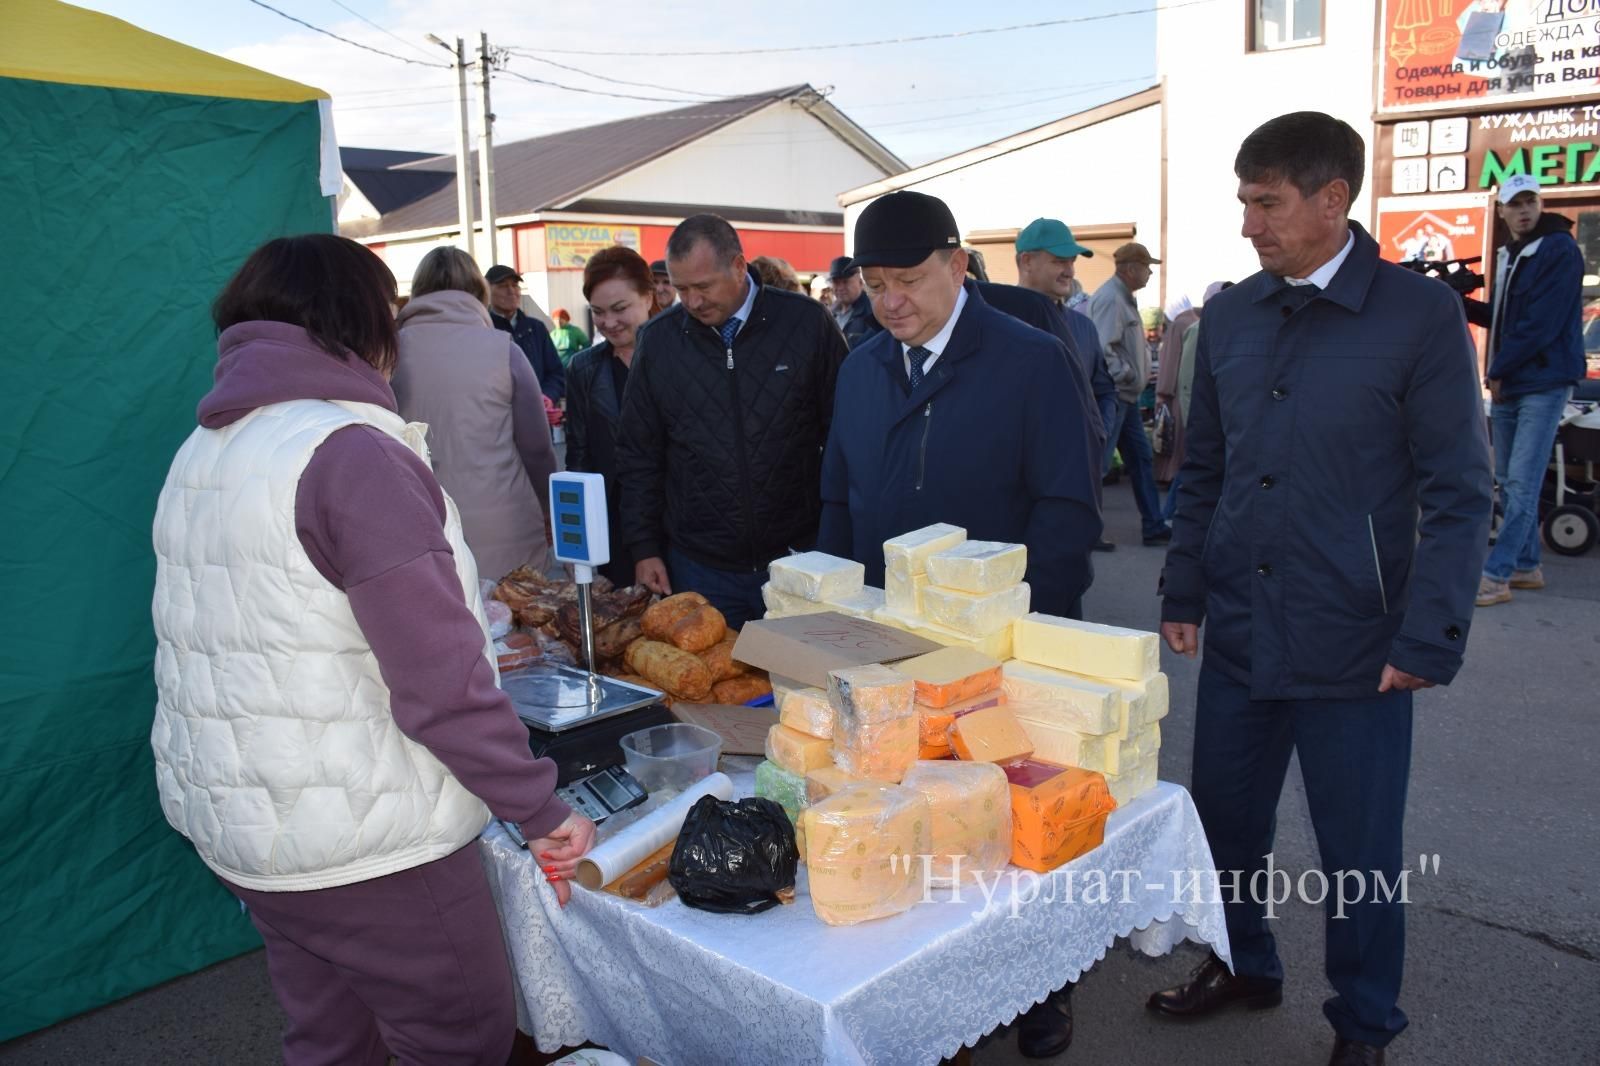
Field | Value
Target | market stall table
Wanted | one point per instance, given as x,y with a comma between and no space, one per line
688,987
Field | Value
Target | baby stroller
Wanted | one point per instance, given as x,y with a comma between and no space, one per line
1568,505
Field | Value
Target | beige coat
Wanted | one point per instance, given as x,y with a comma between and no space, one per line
1167,390
454,373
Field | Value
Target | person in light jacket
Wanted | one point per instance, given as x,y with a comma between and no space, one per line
480,400
328,732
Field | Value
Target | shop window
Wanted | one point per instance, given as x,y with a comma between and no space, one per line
1278,24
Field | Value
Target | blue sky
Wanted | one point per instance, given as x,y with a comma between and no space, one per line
922,99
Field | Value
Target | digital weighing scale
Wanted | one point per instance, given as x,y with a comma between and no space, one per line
576,717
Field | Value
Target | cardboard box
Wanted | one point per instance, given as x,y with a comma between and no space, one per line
743,729
806,647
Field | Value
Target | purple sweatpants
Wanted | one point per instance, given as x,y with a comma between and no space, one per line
411,964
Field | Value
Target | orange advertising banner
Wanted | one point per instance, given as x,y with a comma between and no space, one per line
1446,54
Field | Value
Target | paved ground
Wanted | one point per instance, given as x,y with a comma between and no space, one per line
1504,951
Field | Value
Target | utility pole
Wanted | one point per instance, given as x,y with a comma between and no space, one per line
463,142
486,153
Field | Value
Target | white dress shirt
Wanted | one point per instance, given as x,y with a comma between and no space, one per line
936,344
1321,276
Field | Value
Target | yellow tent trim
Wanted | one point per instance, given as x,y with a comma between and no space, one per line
44,40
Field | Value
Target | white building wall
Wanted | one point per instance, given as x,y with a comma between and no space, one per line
1217,93
1106,173
778,157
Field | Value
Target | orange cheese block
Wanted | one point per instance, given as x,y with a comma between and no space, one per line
951,675
989,735
795,751
1057,813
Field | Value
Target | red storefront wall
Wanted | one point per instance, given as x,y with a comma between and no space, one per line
808,251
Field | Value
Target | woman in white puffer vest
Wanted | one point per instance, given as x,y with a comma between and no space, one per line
329,733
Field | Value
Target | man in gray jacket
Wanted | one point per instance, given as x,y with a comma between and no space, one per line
1332,522
1116,319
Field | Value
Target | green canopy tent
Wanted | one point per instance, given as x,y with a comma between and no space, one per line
136,174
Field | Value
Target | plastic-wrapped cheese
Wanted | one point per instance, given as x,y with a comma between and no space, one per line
1086,647
950,675
969,806
873,693
862,604
978,566
783,685
797,752
996,645
1091,707
1133,782
1106,753
1057,813
907,554
989,735
862,851
1143,703
974,615
882,751
816,576
785,789
782,605
808,711
824,781
903,595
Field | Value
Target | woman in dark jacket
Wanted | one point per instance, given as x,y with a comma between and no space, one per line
621,295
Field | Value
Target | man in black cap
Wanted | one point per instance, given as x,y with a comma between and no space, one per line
666,295
531,335
852,310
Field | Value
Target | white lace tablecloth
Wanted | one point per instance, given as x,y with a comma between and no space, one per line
689,988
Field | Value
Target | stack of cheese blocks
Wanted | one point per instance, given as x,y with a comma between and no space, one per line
956,592
811,582
1091,696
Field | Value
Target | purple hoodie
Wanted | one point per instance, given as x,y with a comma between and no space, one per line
371,517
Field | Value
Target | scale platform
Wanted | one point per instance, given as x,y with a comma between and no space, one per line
577,718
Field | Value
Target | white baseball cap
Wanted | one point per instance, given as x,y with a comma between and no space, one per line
1518,183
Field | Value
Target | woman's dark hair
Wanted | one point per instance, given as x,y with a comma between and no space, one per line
338,291
619,263
1308,149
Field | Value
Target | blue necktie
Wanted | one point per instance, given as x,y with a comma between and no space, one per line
729,329
918,355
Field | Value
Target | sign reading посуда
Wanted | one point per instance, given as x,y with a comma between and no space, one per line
568,246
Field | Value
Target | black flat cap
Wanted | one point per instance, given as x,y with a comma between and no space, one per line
498,273
658,267
841,267
904,228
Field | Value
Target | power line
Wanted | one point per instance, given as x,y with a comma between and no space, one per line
595,92
1073,21
614,81
380,29
346,40
1009,107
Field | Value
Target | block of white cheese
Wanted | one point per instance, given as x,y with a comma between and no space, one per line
861,604
996,645
816,576
1133,782
907,554
1086,647
978,566
974,614
807,711
863,851
1091,707
1064,746
782,605
904,594
969,805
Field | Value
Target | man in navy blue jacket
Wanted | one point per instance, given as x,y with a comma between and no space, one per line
531,335
956,413
1334,516
1535,324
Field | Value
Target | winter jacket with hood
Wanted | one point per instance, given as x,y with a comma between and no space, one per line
1536,338
284,778
470,385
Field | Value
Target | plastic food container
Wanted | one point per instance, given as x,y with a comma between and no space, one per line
672,756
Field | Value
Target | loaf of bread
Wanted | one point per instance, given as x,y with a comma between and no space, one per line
741,689
719,658
659,618
701,628
669,668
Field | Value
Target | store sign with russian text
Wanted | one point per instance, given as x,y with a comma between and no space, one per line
1448,54
1476,153
570,246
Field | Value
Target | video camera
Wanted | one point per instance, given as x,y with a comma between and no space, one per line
1453,272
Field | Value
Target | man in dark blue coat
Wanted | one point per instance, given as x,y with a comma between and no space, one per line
1535,324
955,413
531,335
852,310
1333,520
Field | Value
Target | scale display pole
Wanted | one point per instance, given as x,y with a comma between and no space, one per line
582,538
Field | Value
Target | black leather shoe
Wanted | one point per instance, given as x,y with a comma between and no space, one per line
1211,987
1163,537
1355,1053
1045,1031
1104,546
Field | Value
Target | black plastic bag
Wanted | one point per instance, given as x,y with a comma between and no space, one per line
734,858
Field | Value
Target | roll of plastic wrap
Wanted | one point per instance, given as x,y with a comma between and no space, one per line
631,846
